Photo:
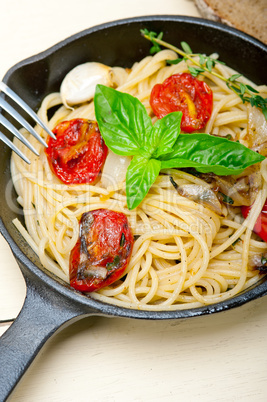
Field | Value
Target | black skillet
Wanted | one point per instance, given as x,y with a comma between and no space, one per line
50,303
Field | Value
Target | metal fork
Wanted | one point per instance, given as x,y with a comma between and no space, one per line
12,112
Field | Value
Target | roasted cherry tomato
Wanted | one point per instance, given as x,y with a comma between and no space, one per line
78,153
260,227
184,93
102,251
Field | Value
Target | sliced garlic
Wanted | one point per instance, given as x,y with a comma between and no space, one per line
79,84
114,170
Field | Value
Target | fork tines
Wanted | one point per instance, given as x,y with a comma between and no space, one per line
12,112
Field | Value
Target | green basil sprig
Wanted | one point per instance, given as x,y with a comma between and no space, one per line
128,130
207,153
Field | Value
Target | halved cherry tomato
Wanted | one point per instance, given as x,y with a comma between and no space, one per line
102,251
78,153
260,227
184,93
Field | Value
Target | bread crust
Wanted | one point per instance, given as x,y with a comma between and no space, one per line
249,17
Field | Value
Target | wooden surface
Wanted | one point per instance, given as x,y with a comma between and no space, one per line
221,357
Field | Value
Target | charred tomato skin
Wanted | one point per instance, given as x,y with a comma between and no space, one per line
260,227
78,153
185,93
102,251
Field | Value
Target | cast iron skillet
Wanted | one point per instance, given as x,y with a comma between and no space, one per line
49,302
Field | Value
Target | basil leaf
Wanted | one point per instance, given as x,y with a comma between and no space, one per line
165,133
140,176
207,153
122,119
264,111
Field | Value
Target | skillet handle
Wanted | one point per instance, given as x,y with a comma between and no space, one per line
43,312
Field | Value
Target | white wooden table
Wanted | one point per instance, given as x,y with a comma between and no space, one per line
221,357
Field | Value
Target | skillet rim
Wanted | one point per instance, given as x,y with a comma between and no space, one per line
99,307
178,18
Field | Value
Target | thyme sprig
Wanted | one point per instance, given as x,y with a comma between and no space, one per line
206,64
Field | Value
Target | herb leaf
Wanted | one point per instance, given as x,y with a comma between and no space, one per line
186,48
207,153
165,132
123,119
195,71
227,200
234,77
152,35
173,182
210,64
140,176
113,264
175,61
122,240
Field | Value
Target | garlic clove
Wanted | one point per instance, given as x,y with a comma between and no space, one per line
114,170
79,84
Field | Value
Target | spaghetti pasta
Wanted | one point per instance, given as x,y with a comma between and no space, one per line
185,255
